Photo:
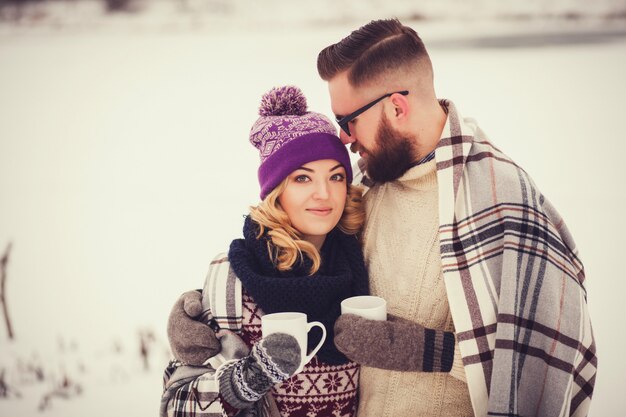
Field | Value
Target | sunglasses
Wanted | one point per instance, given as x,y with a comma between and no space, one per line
343,122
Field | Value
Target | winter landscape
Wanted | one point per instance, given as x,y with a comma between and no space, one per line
125,166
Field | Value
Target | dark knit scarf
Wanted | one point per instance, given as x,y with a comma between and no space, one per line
342,274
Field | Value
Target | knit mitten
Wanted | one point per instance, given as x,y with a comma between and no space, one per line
272,360
192,342
396,344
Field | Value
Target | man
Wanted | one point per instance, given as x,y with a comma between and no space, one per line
457,236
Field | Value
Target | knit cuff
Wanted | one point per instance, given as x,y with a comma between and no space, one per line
438,350
458,369
229,377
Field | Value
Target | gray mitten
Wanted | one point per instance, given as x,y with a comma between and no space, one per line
232,345
192,342
272,360
396,344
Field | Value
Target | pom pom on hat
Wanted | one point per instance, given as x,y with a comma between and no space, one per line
283,101
287,137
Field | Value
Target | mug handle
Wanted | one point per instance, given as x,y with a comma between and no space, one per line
309,326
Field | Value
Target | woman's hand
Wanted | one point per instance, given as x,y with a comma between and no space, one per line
272,360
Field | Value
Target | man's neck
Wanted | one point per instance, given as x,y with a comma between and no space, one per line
432,125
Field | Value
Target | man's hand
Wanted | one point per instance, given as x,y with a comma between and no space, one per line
396,344
192,342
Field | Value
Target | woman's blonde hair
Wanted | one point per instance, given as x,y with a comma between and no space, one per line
286,246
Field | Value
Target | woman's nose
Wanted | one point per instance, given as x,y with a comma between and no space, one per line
321,191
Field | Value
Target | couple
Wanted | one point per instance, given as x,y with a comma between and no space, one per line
485,291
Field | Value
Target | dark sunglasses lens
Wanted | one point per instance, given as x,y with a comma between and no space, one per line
345,128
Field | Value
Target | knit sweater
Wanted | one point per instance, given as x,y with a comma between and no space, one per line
320,390
327,386
403,259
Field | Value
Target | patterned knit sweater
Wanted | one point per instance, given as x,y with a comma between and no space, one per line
320,390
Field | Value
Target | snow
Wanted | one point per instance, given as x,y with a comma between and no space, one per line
125,166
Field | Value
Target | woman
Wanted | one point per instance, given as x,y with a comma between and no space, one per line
299,253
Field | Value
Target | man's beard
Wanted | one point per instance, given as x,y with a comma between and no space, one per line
393,155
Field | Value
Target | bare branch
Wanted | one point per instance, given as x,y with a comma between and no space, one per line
7,391
3,278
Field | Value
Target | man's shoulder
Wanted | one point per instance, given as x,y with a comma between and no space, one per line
218,271
486,164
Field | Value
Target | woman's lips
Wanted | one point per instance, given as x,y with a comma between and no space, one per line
322,211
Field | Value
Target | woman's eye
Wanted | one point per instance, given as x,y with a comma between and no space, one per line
338,177
301,178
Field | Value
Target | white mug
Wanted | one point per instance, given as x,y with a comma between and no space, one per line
294,324
367,306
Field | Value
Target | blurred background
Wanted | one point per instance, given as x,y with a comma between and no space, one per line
125,165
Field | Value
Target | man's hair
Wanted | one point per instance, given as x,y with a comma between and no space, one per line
372,51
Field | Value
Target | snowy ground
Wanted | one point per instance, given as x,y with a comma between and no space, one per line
125,167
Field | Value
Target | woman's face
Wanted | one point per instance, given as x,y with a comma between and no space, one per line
315,198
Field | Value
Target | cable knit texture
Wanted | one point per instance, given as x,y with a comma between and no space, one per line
404,263
458,371
341,275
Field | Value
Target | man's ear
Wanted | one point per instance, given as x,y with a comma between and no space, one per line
399,108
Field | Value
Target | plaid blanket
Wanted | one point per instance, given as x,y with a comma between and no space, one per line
190,391
514,280
193,391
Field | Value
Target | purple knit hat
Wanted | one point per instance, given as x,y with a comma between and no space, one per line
287,137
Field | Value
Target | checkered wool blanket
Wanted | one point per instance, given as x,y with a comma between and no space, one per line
514,281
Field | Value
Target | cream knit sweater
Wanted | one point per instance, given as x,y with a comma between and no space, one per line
401,245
